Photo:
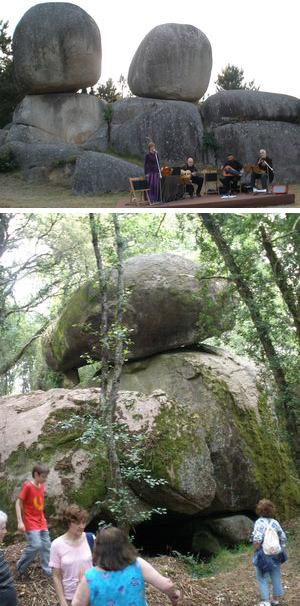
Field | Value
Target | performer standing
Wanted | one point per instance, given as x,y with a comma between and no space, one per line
152,173
266,174
194,179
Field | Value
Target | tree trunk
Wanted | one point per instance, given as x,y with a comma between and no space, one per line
260,324
281,280
111,361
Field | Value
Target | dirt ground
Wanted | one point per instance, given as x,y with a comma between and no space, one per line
237,587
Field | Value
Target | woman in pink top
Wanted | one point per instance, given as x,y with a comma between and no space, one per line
70,554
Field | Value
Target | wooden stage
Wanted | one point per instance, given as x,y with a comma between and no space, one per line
215,201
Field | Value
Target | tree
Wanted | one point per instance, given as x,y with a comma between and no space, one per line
231,78
10,95
108,92
261,324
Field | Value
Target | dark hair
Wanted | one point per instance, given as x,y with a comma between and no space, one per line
265,508
74,513
40,468
113,550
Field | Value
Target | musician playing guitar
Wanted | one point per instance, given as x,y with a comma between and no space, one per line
231,174
194,178
264,170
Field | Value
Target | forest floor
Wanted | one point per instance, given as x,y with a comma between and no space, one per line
231,582
16,192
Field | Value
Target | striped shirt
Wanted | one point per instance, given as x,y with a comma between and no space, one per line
5,576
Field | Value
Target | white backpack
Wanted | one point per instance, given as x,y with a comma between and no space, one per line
271,544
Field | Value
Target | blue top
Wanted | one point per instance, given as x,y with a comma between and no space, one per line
123,587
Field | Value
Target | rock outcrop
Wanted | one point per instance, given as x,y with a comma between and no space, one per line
232,106
215,443
56,118
175,126
173,61
243,122
57,48
97,173
166,295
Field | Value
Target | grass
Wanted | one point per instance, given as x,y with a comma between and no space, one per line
225,560
17,192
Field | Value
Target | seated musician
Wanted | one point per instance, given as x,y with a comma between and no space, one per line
194,179
231,174
264,166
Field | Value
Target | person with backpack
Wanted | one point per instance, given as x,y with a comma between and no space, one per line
269,543
71,554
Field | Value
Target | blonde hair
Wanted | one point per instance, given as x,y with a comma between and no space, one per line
151,145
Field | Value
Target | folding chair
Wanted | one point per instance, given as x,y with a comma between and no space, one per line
138,184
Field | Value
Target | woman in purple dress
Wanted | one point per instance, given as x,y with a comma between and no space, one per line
152,173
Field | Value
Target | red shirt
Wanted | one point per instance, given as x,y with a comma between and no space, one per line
33,506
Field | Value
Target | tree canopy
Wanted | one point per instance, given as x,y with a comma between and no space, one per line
232,78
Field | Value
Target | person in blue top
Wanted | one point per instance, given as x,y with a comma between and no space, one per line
268,566
118,575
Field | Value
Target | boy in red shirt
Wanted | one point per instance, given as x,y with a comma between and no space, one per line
31,519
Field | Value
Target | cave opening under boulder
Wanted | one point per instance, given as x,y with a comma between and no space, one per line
200,536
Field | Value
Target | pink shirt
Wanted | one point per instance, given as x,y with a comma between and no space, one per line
72,561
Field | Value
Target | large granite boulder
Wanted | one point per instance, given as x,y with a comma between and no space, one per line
173,61
233,529
70,118
232,106
57,48
99,173
169,306
42,163
215,443
174,126
240,455
280,139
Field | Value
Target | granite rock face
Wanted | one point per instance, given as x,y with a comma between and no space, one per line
168,307
175,127
207,430
66,117
100,173
173,61
232,106
57,48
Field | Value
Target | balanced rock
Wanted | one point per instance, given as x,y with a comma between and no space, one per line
174,126
169,306
173,61
57,48
67,117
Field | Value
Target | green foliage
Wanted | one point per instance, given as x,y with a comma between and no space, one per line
108,91
10,96
225,560
130,448
232,78
8,162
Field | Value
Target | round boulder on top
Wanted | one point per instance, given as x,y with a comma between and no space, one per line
168,306
173,61
57,48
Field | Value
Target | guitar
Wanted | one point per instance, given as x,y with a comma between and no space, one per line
228,171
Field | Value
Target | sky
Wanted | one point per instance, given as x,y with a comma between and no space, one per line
262,38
